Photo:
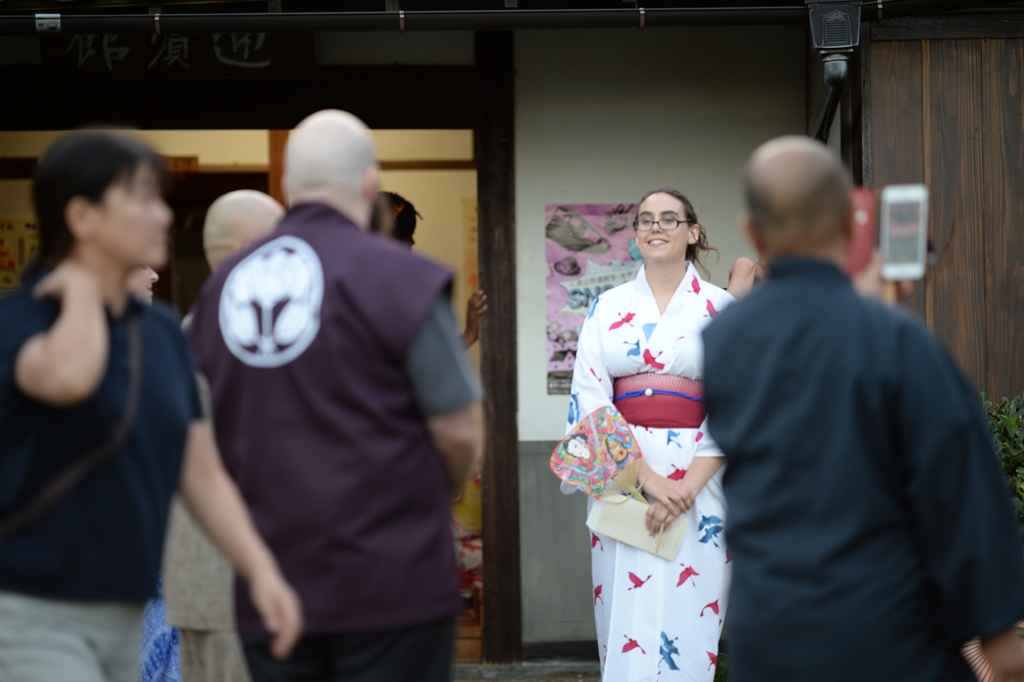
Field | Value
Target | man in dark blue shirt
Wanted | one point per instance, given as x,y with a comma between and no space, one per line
871,532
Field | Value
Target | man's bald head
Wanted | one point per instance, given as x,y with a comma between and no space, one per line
798,195
330,158
236,219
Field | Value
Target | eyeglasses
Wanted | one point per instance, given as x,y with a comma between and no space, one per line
667,223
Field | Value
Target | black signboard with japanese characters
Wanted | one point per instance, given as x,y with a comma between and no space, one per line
217,55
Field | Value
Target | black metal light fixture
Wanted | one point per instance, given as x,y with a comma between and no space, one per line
835,24
835,30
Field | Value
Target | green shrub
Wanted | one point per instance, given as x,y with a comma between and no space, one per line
722,669
1006,421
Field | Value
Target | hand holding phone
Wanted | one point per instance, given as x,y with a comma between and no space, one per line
904,232
862,240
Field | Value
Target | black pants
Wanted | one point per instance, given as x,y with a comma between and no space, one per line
421,653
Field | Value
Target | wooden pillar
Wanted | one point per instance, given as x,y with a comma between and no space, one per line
502,607
275,171
851,110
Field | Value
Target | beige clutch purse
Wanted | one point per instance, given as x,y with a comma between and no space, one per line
625,521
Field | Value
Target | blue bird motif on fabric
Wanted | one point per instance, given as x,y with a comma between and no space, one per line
708,521
712,526
593,307
635,350
711,535
668,650
649,329
672,436
574,408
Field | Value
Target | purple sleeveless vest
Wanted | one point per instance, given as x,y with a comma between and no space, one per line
303,336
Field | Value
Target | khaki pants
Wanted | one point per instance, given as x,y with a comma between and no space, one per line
45,640
212,657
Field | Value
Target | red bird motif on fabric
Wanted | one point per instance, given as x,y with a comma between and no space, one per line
623,319
696,285
711,309
687,574
632,644
637,583
652,360
677,475
713,606
597,594
713,657
595,541
595,374
700,435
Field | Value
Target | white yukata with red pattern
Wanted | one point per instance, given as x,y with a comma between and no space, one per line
656,620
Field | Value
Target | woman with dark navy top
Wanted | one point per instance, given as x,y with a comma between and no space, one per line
85,367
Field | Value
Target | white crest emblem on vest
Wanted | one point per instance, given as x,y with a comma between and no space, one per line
270,304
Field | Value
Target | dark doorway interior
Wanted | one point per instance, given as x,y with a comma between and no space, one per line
399,97
190,196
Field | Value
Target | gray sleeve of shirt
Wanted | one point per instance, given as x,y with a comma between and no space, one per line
442,380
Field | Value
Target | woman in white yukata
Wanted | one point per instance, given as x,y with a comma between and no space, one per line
640,349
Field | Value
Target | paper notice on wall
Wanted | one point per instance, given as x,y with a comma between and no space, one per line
590,248
19,240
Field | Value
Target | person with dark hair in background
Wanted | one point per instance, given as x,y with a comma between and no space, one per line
101,423
870,526
404,218
349,415
401,226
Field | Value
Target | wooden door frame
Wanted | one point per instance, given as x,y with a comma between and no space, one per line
480,98
954,27
383,96
495,154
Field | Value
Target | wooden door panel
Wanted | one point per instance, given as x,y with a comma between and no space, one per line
950,112
953,146
1003,121
896,118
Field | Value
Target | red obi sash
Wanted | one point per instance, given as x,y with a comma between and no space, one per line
660,401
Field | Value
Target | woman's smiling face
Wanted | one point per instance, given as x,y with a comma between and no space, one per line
658,245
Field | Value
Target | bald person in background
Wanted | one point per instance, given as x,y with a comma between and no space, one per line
346,410
870,526
198,580
235,220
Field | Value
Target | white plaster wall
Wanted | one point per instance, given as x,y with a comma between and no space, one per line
16,199
423,145
604,115
212,147
438,196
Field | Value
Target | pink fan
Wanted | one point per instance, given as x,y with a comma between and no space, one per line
599,449
976,658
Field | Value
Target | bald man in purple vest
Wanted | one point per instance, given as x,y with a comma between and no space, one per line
347,412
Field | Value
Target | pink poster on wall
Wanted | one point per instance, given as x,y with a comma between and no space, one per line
590,248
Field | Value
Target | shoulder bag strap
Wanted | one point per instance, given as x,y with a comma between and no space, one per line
66,481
